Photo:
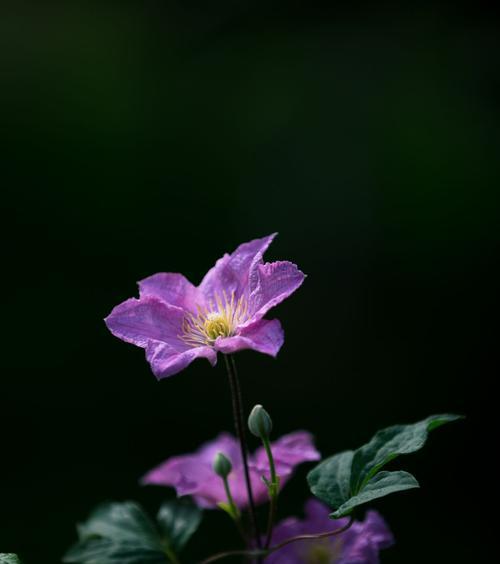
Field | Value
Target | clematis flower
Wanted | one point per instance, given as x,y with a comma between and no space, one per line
176,322
193,474
360,544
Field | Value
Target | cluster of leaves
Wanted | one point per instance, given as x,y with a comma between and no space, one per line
124,533
352,478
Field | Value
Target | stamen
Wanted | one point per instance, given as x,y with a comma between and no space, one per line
219,320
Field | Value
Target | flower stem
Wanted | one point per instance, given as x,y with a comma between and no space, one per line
240,432
272,468
171,555
230,500
266,552
233,510
270,520
273,492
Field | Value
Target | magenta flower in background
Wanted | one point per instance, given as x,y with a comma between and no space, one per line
360,544
192,474
176,322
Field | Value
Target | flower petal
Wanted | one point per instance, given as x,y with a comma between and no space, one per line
141,321
270,284
230,273
166,361
380,533
192,474
357,545
288,451
362,542
225,443
317,513
265,336
171,288
180,472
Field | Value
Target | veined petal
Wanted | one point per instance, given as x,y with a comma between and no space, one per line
166,361
147,319
270,284
171,288
231,272
265,336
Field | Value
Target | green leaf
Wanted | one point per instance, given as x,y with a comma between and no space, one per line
9,559
382,484
389,443
330,480
178,520
105,551
352,478
120,522
122,533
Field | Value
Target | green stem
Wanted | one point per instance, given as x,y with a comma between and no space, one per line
234,512
234,509
272,468
273,493
270,520
171,555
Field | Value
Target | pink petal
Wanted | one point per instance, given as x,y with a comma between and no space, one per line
166,361
147,319
288,452
265,336
270,284
181,472
231,272
170,288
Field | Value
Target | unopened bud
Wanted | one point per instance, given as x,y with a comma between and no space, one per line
259,422
222,465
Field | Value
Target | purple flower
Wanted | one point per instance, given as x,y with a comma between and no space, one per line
360,544
177,322
192,474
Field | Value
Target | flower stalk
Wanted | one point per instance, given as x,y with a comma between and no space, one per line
230,506
232,510
273,488
240,433
222,467
261,425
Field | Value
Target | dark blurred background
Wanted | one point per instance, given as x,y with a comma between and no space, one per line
154,136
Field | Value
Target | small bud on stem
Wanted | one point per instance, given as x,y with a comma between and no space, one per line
259,422
222,465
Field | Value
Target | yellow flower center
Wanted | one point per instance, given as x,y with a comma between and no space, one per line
220,319
319,554
323,552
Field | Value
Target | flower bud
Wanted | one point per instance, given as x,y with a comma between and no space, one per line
222,465
259,422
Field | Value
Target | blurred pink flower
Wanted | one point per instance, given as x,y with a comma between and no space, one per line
193,474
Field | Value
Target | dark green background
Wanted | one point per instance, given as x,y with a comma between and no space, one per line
154,136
